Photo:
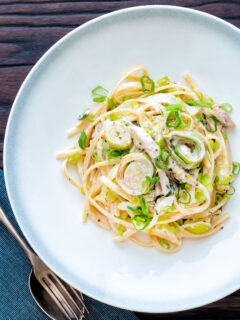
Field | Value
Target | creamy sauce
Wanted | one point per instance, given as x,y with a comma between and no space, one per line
162,202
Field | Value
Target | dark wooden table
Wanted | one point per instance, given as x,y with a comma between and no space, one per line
29,27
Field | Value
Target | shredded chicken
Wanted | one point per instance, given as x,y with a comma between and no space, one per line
162,202
150,196
163,186
180,174
142,140
223,116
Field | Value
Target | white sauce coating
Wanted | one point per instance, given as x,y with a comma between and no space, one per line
223,116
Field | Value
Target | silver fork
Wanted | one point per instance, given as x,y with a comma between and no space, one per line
65,297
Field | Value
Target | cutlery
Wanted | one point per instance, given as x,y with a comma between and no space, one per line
55,297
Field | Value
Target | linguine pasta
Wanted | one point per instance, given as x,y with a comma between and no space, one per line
154,161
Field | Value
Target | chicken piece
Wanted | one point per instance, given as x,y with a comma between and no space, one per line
162,202
163,186
223,116
180,174
143,141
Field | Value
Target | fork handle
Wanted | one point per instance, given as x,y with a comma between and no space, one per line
9,226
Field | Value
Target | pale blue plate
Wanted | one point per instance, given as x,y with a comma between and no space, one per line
168,41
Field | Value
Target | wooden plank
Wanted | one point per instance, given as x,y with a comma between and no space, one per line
232,11
227,9
11,78
235,22
24,46
74,20
30,4
62,20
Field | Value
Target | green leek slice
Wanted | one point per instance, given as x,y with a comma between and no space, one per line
197,228
117,135
188,148
132,171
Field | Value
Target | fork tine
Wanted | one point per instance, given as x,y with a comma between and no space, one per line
55,299
61,297
68,294
79,298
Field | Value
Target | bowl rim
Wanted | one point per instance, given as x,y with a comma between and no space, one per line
60,44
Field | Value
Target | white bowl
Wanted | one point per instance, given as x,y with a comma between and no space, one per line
168,41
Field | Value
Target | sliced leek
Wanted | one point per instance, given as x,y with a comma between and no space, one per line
197,227
117,135
132,171
187,147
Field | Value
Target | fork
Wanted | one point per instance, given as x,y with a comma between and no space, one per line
65,297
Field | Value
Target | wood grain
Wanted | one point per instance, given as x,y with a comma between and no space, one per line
28,28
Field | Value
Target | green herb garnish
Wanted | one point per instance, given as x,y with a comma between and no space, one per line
236,168
163,81
152,180
175,122
174,107
200,117
185,122
100,94
73,159
184,195
161,162
143,204
138,219
83,116
224,135
111,103
164,244
115,153
213,144
167,208
120,230
161,143
114,117
227,107
208,99
95,157
149,81
173,229
82,140
225,184
205,179
199,195
137,210
216,121
198,103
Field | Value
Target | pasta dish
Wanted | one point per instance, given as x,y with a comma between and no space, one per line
154,161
